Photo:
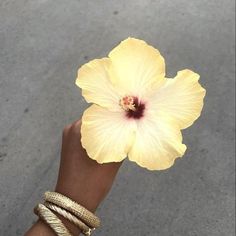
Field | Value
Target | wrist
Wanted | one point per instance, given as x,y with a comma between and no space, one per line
89,183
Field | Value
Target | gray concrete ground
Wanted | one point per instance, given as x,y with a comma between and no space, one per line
43,42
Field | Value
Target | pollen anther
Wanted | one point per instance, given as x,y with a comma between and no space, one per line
127,103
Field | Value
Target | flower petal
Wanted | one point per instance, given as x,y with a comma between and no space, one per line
106,135
96,86
181,98
136,66
158,143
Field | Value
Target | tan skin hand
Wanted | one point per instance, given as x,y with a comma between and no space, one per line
80,178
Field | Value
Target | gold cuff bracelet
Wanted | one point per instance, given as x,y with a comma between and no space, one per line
51,220
76,209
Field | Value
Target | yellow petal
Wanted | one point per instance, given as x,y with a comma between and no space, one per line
158,143
96,86
106,135
136,66
181,98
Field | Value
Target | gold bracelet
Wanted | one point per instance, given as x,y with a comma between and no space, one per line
62,201
67,215
51,220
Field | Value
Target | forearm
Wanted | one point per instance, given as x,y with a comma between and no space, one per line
40,229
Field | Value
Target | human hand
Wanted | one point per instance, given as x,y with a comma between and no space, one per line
80,178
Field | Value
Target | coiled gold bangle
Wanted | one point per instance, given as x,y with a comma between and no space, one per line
51,220
73,207
67,215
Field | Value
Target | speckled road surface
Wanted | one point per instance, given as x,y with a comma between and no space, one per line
43,42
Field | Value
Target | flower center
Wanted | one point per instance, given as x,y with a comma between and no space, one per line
132,106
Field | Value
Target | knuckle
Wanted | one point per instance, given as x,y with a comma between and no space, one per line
76,127
66,129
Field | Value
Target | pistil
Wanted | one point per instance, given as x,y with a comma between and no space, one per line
133,107
127,103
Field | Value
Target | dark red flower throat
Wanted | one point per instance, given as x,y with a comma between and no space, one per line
134,108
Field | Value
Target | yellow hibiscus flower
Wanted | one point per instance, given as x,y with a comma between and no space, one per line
137,112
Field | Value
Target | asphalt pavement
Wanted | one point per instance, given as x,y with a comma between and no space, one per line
42,44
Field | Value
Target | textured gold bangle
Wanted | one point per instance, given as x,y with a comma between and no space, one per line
51,220
67,215
62,201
